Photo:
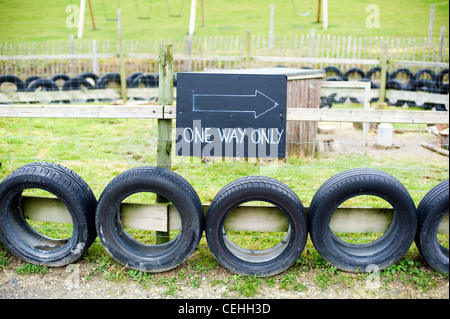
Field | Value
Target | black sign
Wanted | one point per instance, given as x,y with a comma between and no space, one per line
231,115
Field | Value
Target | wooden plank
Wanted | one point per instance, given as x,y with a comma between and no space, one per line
68,56
42,96
370,116
248,218
169,112
74,95
82,111
243,218
418,97
316,60
145,217
46,210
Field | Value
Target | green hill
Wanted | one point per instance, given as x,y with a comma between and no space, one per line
31,20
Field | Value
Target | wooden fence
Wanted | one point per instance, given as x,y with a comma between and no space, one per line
73,57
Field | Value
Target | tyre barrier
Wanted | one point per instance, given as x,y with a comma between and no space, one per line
425,80
91,218
431,210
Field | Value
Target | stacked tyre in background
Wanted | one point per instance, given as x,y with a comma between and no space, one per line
103,219
402,79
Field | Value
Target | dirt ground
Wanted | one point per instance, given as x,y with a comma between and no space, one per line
77,282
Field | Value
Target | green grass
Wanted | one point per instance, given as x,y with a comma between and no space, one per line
29,20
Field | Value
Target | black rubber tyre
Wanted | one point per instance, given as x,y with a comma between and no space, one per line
440,78
76,84
376,70
24,241
266,262
132,253
332,71
407,72
92,78
30,80
148,80
7,78
107,78
351,74
131,78
382,252
60,76
44,84
432,209
431,75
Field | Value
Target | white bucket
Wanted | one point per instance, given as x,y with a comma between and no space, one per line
385,132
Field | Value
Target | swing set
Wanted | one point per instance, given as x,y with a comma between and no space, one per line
311,7
141,16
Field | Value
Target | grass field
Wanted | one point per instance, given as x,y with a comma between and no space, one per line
31,20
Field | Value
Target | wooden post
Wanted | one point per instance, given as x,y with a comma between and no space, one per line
123,75
430,27
248,49
92,15
271,26
384,65
165,97
319,6
203,12
441,45
72,51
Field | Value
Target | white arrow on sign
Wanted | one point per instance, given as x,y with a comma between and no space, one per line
258,103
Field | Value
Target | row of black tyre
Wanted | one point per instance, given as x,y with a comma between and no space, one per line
423,80
92,218
86,80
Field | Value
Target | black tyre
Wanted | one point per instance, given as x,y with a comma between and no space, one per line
267,262
44,85
354,74
131,78
30,80
76,84
382,252
431,210
60,77
332,71
136,254
402,74
426,74
375,73
25,241
92,78
147,80
106,79
442,78
20,86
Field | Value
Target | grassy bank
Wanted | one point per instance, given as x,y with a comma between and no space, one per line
30,20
